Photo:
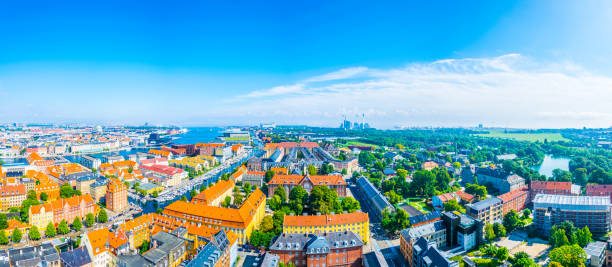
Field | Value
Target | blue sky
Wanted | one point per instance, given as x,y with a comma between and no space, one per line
232,62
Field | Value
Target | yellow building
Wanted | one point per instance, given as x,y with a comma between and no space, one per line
41,216
216,194
358,222
241,221
138,230
12,196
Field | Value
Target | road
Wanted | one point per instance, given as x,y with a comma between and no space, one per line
379,240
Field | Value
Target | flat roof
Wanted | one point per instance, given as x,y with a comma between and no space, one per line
572,200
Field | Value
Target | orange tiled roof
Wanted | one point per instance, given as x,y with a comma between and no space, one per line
12,190
210,144
237,218
550,185
513,194
117,239
115,185
332,219
36,209
162,153
13,223
124,164
216,190
465,196
98,239
281,179
279,170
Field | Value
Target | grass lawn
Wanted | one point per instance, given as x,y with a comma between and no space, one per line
486,262
357,143
421,206
531,137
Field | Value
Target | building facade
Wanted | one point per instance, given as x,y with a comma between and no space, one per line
116,195
591,211
489,210
328,249
357,222
514,200
288,182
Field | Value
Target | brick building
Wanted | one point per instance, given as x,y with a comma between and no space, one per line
116,195
328,249
334,182
552,188
599,190
514,200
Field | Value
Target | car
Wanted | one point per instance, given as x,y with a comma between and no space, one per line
240,249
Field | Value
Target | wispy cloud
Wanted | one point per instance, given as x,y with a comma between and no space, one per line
339,75
276,91
509,90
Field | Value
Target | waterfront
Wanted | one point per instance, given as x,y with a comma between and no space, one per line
550,163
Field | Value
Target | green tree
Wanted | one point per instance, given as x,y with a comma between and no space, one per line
275,203
568,255
44,196
34,234
401,173
267,224
583,236
489,232
268,176
499,229
62,227
522,259
349,204
452,205
16,235
281,193
238,198
144,247
580,176
511,220
562,175
479,191
89,219
50,232
3,221
393,197
526,213
555,264
298,194
102,216
558,238
3,239
423,183
66,190
312,170
193,193
184,198
31,195
226,202
344,171
77,224
502,253
155,194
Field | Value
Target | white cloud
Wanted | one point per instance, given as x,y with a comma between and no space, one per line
509,91
278,90
339,75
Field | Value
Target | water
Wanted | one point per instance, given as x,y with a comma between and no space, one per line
550,163
197,135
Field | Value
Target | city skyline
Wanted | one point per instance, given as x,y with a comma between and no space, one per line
520,64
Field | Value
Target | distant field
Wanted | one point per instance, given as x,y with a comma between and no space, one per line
357,143
531,137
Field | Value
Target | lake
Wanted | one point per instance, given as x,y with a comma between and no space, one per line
550,163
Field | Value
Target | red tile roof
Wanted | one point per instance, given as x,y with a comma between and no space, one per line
507,197
550,185
279,179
